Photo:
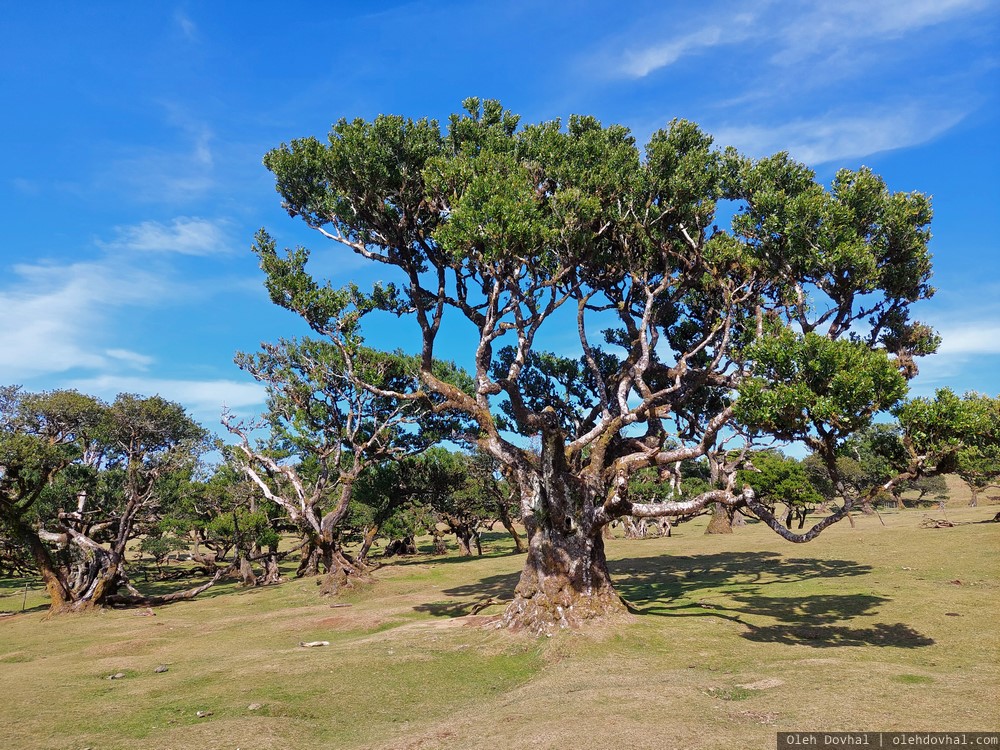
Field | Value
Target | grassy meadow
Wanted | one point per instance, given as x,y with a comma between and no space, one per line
886,626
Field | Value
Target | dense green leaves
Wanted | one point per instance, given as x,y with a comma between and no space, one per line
735,296
777,478
942,432
801,384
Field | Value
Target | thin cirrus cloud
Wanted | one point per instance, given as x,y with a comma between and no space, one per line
831,138
639,63
54,316
184,235
971,338
187,27
838,25
204,398
970,343
178,174
832,28
63,317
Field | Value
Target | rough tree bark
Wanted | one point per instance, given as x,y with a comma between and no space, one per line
722,520
370,534
565,580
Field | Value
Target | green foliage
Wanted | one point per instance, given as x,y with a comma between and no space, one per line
94,475
948,432
315,401
780,479
804,383
412,495
791,322
158,547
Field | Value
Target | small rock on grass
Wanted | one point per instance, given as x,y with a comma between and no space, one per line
255,706
313,644
161,669
203,714
117,676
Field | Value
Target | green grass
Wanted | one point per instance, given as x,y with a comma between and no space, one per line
913,679
881,627
731,693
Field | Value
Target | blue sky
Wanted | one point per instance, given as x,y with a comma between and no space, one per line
133,183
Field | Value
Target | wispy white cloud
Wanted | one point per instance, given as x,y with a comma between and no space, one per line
54,316
638,63
639,53
832,137
970,338
178,172
829,29
26,187
969,355
184,235
129,358
59,318
187,27
836,27
204,398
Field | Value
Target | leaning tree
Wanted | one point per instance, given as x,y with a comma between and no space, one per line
713,301
80,480
324,432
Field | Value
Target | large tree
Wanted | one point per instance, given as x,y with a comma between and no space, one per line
711,299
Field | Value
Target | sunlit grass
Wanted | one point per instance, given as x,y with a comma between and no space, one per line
881,627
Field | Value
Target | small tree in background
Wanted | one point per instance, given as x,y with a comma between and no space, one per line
326,430
80,479
949,434
780,479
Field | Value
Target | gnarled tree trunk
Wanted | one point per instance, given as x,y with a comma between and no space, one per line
974,497
272,573
342,572
722,520
508,523
565,580
323,554
370,534
56,584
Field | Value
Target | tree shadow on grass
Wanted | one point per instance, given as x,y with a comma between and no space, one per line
658,581
899,635
732,586
463,599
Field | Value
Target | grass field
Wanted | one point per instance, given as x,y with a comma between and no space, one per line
880,627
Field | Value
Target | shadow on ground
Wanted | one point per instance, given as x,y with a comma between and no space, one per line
735,586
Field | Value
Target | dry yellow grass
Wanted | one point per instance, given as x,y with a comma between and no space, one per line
880,627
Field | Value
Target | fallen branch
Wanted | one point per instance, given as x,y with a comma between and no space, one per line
141,600
935,523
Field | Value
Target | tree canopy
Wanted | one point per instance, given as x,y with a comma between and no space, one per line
716,302
326,430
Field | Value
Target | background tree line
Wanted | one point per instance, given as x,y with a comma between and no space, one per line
82,482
